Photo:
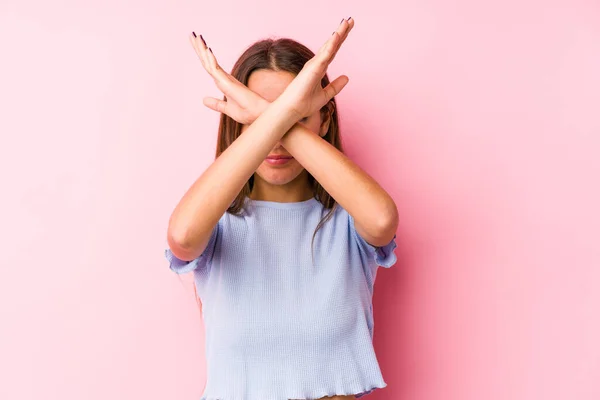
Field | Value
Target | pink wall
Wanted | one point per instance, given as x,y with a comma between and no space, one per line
481,118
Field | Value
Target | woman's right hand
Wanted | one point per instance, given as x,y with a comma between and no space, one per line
305,95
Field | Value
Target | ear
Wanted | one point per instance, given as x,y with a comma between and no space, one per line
326,119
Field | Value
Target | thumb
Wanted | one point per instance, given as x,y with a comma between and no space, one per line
335,87
215,104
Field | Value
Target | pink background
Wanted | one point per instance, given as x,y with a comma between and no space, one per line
482,119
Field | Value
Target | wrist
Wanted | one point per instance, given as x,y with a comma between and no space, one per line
294,133
282,109
261,106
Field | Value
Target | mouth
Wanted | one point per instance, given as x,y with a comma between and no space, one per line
278,160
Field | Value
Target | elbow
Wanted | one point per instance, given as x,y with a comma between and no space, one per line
176,235
177,246
177,239
178,231
388,224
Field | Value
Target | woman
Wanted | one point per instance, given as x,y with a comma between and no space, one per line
284,233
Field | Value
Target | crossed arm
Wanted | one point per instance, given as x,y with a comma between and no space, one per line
374,211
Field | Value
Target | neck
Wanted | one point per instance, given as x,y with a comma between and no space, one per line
295,191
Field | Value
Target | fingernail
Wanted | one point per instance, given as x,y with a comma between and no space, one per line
342,20
349,18
333,33
194,33
202,40
210,50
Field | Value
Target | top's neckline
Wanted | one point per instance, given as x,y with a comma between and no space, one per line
284,206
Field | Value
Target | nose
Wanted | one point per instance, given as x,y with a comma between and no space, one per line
278,147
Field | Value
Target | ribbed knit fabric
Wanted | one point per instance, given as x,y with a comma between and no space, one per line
277,326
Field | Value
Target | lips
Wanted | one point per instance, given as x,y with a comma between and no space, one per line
279,157
278,160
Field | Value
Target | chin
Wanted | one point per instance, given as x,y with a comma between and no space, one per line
278,176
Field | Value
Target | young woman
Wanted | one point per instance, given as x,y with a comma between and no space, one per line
284,233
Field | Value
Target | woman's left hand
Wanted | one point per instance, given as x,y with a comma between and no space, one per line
241,104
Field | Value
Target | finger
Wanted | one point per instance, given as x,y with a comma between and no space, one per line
200,48
330,48
217,72
205,55
328,43
225,82
215,104
340,32
194,44
210,64
204,52
343,31
212,60
342,28
346,27
230,86
335,87
322,58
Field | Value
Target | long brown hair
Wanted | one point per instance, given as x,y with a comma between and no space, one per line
278,55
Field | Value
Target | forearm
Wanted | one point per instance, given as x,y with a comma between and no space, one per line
369,204
204,203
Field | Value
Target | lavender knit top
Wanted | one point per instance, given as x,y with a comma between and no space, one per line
279,326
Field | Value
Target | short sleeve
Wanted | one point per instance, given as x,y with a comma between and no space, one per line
384,255
202,262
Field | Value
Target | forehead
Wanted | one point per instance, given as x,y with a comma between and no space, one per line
269,84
